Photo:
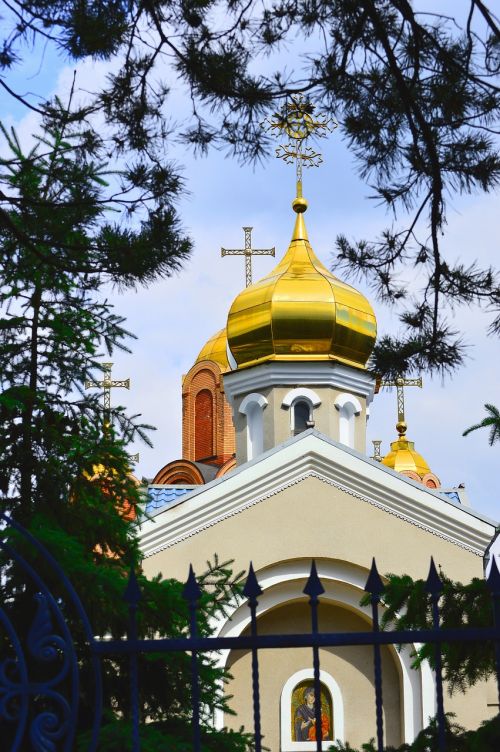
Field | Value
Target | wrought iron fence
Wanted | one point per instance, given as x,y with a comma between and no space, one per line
43,711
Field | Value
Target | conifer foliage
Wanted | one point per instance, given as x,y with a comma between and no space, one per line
64,474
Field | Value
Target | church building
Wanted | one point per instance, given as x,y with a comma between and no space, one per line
274,470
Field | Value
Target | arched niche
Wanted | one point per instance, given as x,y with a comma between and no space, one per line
203,425
344,583
252,406
331,698
301,402
349,407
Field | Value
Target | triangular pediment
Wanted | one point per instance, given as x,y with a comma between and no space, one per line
312,454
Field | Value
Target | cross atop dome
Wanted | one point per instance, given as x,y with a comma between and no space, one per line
400,384
403,456
296,119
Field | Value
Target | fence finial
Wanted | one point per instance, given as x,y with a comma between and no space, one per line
313,587
252,589
434,584
374,584
132,594
191,591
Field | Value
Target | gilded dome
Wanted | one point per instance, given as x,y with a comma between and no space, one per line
215,350
300,312
403,458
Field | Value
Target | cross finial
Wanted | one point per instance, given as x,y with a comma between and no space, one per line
296,119
247,252
399,382
106,384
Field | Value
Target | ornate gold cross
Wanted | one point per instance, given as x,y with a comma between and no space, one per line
247,252
400,383
297,120
106,384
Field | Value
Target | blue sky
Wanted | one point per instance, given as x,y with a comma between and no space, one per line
174,318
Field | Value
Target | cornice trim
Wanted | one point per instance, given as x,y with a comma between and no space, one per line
278,373
362,480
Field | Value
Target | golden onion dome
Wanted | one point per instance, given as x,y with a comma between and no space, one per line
300,312
404,459
215,350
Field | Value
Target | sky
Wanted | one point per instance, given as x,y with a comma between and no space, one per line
172,319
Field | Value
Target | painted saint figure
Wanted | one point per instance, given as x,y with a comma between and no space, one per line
305,721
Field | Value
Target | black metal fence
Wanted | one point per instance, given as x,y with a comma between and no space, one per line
52,724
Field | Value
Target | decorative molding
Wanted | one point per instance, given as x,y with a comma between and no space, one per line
322,373
284,486
301,393
253,399
170,473
345,399
311,455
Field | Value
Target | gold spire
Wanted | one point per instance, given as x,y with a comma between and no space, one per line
300,230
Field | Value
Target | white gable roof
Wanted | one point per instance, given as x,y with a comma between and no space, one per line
313,454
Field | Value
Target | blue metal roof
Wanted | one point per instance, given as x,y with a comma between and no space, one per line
453,495
160,497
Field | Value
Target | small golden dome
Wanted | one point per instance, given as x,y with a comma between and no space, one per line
301,312
215,350
404,458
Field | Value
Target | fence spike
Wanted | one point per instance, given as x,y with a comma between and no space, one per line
434,584
313,587
132,594
493,578
252,589
191,591
374,584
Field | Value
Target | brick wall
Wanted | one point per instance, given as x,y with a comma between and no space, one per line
199,433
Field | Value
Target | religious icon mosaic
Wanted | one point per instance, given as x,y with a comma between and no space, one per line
303,713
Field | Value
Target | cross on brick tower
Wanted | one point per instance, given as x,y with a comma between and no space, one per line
400,383
247,252
106,384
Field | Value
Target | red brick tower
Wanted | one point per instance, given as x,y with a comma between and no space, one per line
208,438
